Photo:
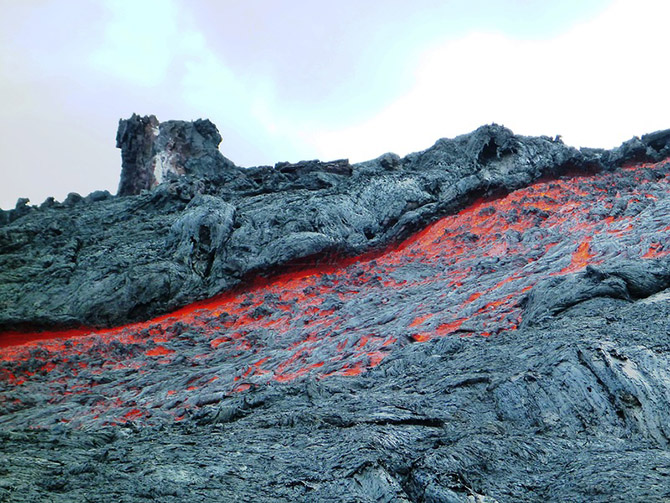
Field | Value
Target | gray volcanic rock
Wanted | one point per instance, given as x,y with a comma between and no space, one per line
571,406
625,280
574,412
136,136
152,152
105,260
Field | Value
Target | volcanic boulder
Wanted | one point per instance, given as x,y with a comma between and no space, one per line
154,152
199,235
623,279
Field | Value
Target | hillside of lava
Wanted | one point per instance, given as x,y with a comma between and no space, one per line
514,348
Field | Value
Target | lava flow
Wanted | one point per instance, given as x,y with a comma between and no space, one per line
463,275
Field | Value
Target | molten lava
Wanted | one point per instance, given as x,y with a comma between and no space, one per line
463,275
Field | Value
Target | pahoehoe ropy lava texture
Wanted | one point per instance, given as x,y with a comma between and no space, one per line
486,320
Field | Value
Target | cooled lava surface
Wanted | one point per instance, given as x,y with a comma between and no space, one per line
466,275
483,321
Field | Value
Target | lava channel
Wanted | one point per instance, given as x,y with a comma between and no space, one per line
462,276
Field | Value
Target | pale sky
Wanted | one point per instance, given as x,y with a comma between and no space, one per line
292,80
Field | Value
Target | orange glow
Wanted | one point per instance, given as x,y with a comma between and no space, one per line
473,268
580,258
420,319
422,337
447,328
656,250
159,351
133,414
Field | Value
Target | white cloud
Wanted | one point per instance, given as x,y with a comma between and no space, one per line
596,85
207,81
139,42
90,63
242,105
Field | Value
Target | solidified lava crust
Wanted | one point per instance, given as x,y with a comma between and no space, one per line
484,321
465,275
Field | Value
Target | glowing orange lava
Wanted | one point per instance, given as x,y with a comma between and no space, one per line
463,275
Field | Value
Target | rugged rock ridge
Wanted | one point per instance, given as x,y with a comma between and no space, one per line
516,349
153,152
105,260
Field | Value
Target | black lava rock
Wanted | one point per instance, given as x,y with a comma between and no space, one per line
572,406
188,224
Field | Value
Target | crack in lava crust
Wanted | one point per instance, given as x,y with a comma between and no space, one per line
463,275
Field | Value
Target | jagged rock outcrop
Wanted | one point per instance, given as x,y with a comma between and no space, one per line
154,152
149,253
135,137
516,349
625,280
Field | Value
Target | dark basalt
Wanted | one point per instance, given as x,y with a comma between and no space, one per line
625,280
104,260
576,411
153,152
572,406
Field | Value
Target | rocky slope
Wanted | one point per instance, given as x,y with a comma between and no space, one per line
482,321
105,260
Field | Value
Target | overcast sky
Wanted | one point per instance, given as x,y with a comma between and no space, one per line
291,80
